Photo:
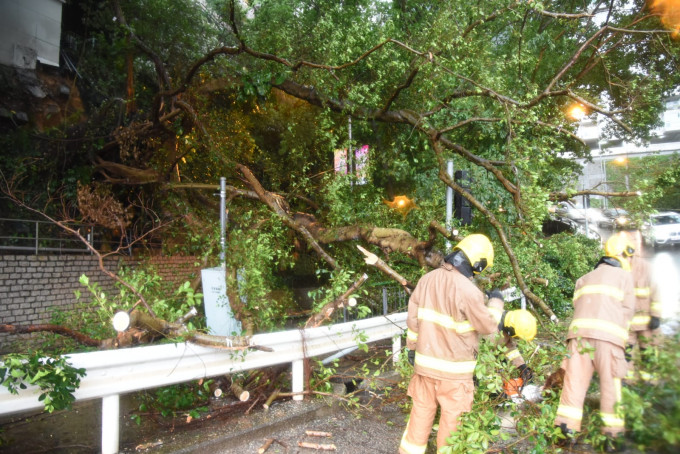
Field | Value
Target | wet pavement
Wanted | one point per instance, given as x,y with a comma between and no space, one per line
315,422
376,427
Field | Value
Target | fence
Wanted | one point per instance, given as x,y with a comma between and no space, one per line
115,372
42,237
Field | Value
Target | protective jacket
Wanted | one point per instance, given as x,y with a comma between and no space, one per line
603,308
446,315
604,304
647,301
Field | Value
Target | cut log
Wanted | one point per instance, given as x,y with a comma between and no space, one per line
265,446
326,311
240,393
317,446
272,397
316,433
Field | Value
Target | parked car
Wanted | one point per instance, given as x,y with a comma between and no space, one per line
558,224
615,218
565,210
662,229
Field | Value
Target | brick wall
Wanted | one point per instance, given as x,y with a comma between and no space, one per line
32,286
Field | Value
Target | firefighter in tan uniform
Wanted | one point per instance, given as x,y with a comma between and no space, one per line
513,356
604,304
446,315
645,327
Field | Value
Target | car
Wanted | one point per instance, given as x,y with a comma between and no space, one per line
566,210
557,224
662,229
615,218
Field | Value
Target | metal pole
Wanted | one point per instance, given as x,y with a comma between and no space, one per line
298,372
449,203
223,222
396,348
110,424
585,216
384,300
606,185
350,153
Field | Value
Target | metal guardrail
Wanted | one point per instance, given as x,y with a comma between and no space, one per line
114,372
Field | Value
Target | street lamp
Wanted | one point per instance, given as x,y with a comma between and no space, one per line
576,112
622,160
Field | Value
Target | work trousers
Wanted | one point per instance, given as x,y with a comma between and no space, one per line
454,398
585,357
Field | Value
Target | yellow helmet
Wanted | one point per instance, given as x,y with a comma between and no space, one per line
478,250
523,322
620,247
619,244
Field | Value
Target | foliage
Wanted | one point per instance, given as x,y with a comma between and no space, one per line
92,315
560,259
187,97
657,177
188,399
55,377
261,256
653,411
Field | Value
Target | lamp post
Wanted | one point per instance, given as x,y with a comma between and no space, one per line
624,160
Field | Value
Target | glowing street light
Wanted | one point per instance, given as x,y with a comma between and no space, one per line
402,204
576,112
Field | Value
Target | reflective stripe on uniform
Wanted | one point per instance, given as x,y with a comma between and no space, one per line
600,289
599,325
496,313
452,367
411,335
570,412
655,306
642,292
641,320
444,320
611,420
410,448
512,354
646,376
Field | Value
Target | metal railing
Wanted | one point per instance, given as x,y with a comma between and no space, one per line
111,373
37,237
43,237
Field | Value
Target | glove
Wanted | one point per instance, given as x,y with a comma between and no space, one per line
654,322
411,357
628,352
495,293
525,373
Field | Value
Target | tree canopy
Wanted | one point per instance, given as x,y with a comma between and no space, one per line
179,93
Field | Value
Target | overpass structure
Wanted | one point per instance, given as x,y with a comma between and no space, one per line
666,140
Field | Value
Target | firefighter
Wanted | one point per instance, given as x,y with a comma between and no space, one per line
446,315
604,304
513,356
645,327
